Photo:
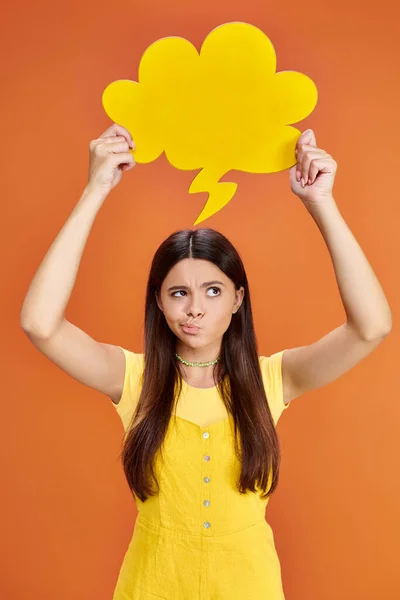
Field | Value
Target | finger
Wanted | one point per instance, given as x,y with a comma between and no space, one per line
127,167
307,137
306,161
303,148
319,165
116,147
121,158
109,140
105,143
106,149
117,129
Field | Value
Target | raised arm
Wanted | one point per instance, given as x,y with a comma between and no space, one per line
95,364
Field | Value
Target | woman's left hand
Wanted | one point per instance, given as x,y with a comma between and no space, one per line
316,168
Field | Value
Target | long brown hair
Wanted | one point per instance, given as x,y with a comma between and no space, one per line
237,375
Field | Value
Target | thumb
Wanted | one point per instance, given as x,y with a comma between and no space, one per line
308,137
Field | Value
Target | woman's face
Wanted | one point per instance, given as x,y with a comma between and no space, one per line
203,296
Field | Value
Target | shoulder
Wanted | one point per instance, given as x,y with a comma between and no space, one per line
271,371
134,363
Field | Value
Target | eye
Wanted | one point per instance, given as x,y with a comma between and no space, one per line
214,288
179,291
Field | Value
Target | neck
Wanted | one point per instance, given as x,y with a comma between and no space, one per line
199,355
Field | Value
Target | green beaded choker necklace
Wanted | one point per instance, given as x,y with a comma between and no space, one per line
198,364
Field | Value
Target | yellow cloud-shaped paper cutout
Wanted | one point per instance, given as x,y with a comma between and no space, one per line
225,108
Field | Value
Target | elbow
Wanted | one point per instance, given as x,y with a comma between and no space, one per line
32,330
377,334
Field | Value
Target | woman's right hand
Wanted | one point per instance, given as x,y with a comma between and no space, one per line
110,155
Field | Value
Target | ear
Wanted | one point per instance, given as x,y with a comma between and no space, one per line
158,301
239,298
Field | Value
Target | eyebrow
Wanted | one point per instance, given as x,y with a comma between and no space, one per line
184,287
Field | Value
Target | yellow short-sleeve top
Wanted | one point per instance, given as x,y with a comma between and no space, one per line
211,408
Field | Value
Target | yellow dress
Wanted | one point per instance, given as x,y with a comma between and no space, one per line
199,538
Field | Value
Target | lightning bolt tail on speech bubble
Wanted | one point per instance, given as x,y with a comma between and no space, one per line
207,180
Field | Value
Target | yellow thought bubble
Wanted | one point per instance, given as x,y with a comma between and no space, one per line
221,109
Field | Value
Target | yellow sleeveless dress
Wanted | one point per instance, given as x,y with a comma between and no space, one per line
199,538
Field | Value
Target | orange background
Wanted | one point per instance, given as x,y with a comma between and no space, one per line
66,511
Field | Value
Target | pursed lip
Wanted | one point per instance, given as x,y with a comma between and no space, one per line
191,327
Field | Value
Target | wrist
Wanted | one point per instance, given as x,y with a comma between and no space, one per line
321,205
95,193
326,214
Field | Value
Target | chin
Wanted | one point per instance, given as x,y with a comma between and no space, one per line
190,340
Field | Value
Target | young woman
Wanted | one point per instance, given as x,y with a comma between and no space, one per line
199,406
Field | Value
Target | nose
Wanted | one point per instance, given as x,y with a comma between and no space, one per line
194,307
195,313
